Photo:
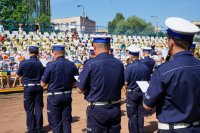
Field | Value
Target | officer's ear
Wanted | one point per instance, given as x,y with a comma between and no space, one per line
171,44
95,47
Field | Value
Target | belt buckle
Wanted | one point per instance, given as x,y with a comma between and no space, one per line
91,104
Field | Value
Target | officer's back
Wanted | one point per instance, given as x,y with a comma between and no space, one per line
32,70
101,80
59,75
181,73
174,87
136,71
105,70
147,60
60,69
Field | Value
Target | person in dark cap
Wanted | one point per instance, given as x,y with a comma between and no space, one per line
174,87
136,71
192,48
147,60
101,82
1,27
91,54
59,75
31,70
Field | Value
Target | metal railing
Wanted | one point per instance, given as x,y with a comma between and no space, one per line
29,26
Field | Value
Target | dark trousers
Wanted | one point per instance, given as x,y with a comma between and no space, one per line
135,112
59,113
183,130
104,119
33,105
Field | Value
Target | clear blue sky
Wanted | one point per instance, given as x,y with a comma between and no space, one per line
103,11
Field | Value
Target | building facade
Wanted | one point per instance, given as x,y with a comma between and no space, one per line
78,24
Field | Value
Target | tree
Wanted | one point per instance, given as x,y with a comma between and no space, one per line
13,12
130,26
44,18
120,27
6,8
112,24
20,12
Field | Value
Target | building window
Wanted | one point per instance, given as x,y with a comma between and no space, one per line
73,23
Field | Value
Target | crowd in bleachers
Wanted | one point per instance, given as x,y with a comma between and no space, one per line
14,45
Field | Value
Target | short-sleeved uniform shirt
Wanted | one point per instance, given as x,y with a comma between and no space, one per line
102,77
175,89
59,75
149,62
136,71
31,70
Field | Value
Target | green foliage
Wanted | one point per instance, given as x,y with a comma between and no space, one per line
24,10
6,7
112,24
43,18
130,26
20,12
13,12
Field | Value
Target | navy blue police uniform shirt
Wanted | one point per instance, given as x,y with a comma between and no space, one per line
136,71
31,70
149,62
103,78
174,89
59,75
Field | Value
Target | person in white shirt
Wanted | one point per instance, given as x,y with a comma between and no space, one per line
1,27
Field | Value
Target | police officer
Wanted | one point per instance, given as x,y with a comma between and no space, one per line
59,75
101,80
32,71
136,71
91,54
147,60
174,87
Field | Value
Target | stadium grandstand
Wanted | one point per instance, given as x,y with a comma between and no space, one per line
14,49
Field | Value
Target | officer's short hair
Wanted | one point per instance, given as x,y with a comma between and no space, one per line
181,31
34,52
103,45
60,53
181,43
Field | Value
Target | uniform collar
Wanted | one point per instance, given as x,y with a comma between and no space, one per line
34,56
182,53
60,57
146,57
102,54
136,61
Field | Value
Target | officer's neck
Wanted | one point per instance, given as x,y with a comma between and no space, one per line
176,50
134,59
146,54
100,51
62,56
33,55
